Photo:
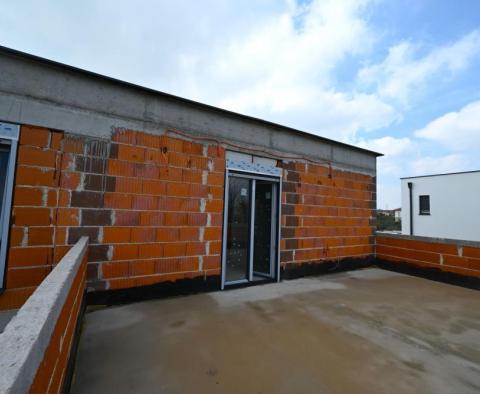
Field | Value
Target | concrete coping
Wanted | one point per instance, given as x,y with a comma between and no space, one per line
449,241
27,336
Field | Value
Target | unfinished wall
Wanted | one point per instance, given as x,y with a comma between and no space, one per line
34,214
154,216
457,257
37,344
327,215
152,207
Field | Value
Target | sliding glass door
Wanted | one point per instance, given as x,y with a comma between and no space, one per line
250,247
238,229
264,231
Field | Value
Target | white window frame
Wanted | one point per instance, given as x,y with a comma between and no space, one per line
8,136
421,211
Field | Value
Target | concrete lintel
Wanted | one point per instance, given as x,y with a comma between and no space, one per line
27,336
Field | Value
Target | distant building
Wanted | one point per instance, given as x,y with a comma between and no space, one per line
442,205
395,213
388,220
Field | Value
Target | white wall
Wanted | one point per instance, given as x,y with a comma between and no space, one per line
454,206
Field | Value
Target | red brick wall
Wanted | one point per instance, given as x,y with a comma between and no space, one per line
33,233
153,205
456,258
326,214
51,373
155,215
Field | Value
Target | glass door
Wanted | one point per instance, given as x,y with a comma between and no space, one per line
238,230
264,229
251,229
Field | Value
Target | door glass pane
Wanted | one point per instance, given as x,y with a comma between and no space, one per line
238,234
263,227
4,156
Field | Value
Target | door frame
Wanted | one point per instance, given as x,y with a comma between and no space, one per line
276,213
9,134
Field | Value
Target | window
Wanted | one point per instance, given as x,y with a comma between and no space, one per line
8,152
424,205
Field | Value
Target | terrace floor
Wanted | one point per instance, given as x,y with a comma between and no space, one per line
366,331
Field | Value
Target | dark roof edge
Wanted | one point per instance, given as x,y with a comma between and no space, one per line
25,55
447,173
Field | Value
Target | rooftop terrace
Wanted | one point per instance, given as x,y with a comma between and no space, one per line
362,331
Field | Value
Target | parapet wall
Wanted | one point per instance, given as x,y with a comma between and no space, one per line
37,343
442,255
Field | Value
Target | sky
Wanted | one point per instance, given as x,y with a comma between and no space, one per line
398,77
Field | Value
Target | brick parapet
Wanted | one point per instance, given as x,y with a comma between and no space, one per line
453,256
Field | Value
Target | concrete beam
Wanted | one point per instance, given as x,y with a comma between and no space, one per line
40,92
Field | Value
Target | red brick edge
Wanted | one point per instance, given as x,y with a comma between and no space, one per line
37,343
448,257
52,372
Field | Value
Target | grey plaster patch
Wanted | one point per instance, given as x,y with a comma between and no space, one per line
372,274
273,291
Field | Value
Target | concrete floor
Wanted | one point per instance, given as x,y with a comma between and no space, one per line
368,331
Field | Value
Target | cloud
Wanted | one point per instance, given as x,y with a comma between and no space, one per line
283,67
144,42
439,164
455,130
284,61
412,163
388,145
298,46
328,113
396,153
277,60
402,73
407,156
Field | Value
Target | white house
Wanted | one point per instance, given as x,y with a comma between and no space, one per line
442,205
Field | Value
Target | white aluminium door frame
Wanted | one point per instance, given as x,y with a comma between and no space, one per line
276,215
8,136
